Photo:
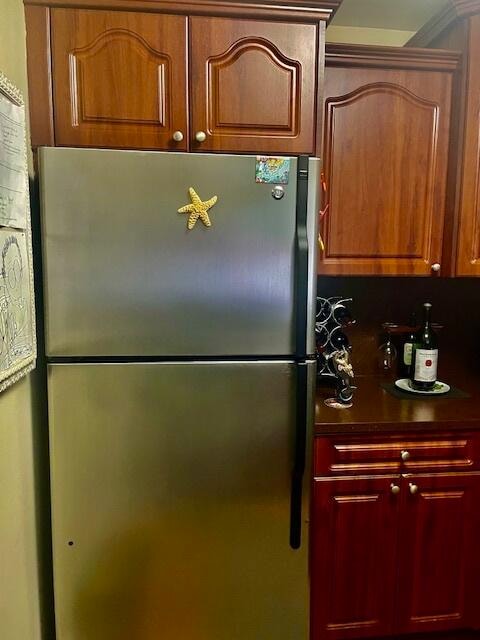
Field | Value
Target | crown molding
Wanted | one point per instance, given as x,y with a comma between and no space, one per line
346,55
455,10
303,10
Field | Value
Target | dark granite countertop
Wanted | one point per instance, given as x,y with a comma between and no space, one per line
376,410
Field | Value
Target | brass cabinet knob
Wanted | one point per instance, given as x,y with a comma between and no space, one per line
395,489
405,455
413,488
200,136
177,136
436,267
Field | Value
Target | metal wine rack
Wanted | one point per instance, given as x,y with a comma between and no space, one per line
333,315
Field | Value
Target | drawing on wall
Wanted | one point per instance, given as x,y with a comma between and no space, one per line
17,308
15,317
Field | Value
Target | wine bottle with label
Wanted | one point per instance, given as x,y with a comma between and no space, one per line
406,364
425,354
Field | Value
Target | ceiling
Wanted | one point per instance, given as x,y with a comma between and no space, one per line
403,15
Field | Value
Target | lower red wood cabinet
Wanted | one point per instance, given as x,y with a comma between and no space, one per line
395,554
439,532
354,544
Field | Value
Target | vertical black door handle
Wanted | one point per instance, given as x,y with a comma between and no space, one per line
301,313
300,456
301,260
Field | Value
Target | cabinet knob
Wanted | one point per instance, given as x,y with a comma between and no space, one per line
436,267
405,455
200,136
177,136
395,489
413,488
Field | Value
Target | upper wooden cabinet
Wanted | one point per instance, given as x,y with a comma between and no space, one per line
119,79
127,79
467,111
458,27
386,139
253,85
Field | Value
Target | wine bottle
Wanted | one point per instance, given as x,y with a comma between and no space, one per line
406,368
425,354
339,340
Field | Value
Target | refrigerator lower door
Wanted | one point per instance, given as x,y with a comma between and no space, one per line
171,498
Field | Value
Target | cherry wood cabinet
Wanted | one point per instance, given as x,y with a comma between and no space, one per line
386,140
468,199
457,27
439,536
253,85
119,78
395,553
353,560
104,77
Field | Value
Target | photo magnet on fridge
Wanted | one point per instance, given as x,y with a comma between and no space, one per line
272,170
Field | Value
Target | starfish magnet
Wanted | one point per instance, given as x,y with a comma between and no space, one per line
198,209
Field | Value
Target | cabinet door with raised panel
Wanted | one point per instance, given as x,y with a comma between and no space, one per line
353,555
386,140
468,177
119,79
253,85
438,556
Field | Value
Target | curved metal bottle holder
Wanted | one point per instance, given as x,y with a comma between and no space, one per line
333,347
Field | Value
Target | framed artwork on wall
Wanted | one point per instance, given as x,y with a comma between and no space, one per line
18,348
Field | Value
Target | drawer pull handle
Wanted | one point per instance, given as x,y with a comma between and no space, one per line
413,488
405,455
395,489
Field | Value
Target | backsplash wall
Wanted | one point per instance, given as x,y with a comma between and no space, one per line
456,305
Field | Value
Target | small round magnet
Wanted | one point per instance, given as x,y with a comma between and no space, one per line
278,192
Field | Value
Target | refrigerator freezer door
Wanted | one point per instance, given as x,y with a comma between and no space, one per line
171,502
125,277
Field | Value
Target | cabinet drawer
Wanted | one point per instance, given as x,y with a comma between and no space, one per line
344,455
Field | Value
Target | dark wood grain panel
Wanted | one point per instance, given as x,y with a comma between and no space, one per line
253,85
39,68
353,551
120,79
439,530
385,146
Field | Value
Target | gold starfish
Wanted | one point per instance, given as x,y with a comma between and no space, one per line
198,209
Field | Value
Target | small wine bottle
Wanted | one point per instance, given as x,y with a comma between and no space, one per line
408,347
425,354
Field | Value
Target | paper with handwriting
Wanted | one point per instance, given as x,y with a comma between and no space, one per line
13,165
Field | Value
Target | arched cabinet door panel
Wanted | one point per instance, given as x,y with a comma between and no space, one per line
253,85
119,79
386,141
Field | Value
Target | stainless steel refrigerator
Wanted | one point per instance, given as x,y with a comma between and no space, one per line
181,389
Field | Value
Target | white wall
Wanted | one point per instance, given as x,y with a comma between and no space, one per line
19,582
368,35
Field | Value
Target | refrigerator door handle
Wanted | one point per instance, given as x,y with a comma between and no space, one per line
296,505
301,260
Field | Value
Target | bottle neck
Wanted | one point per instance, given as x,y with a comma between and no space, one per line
426,317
